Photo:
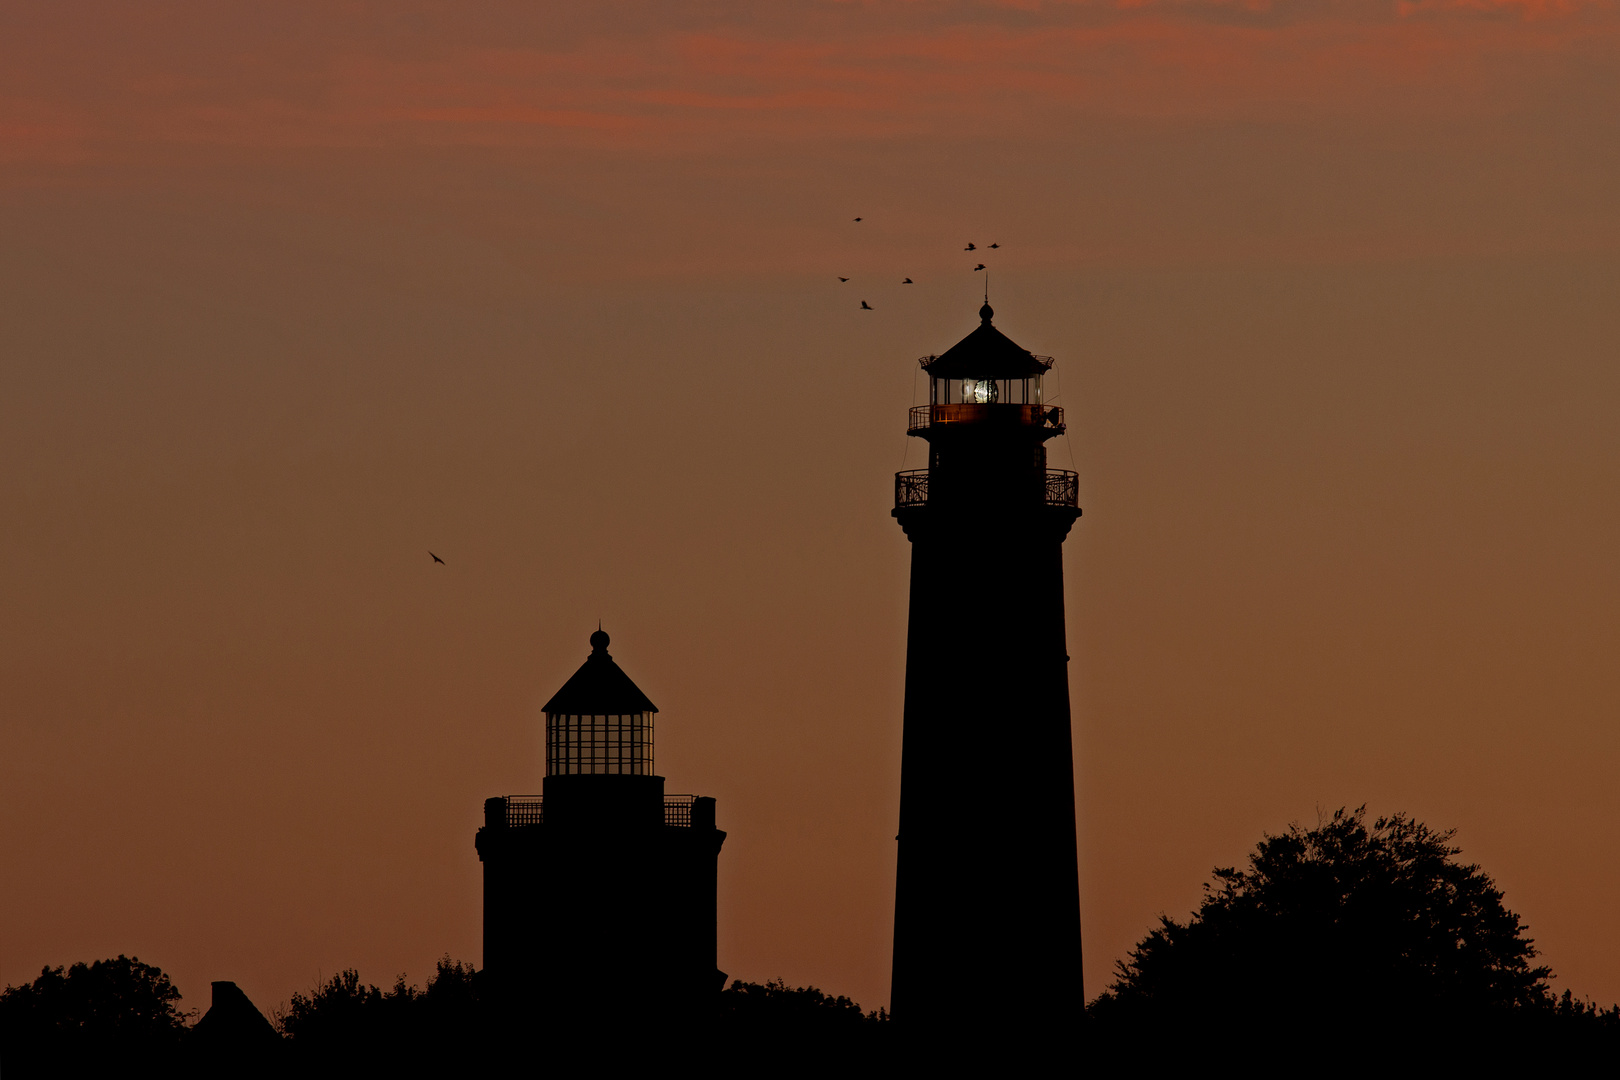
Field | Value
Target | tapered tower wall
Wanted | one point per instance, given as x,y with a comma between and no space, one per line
987,905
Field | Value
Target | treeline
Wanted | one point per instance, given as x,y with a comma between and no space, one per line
123,1016
1355,944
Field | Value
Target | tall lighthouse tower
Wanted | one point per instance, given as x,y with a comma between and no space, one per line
987,907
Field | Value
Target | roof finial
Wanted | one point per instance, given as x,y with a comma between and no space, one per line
987,311
599,640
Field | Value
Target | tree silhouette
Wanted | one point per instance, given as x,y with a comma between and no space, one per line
341,1010
1346,936
775,1006
90,1015
344,1024
800,1028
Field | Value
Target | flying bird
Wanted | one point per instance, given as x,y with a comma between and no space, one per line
995,245
866,307
438,560
979,267
970,247
908,281
857,219
843,279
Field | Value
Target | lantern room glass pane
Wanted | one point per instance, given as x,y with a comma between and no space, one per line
602,744
1026,391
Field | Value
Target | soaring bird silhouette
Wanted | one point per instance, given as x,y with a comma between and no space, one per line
908,281
995,245
979,267
970,247
857,219
843,279
438,560
866,307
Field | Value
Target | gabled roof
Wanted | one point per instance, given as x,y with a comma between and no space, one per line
599,687
986,353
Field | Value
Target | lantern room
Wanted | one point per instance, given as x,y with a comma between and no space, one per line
986,424
985,378
599,723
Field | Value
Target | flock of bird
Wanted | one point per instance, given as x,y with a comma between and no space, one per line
971,247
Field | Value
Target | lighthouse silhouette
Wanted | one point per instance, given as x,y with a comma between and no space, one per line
599,894
987,908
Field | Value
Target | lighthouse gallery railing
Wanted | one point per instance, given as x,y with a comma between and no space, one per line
1062,488
516,811
923,417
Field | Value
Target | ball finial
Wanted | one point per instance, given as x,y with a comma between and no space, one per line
986,312
599,640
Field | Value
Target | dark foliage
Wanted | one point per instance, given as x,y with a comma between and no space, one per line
1343,939
801,1027
344,1023
121,1016
777,1007
89,1015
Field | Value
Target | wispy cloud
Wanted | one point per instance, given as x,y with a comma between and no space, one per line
830,70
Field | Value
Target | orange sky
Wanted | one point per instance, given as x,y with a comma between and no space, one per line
291,293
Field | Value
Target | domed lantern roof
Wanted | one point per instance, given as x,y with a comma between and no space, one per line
599,687
986,353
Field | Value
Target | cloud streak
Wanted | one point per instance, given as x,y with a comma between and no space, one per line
852,72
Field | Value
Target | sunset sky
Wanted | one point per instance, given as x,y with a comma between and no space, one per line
292,293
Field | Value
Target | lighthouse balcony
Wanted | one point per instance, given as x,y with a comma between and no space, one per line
1062,488
523,811
1048,418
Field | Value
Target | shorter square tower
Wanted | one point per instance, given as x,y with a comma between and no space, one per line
600,894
